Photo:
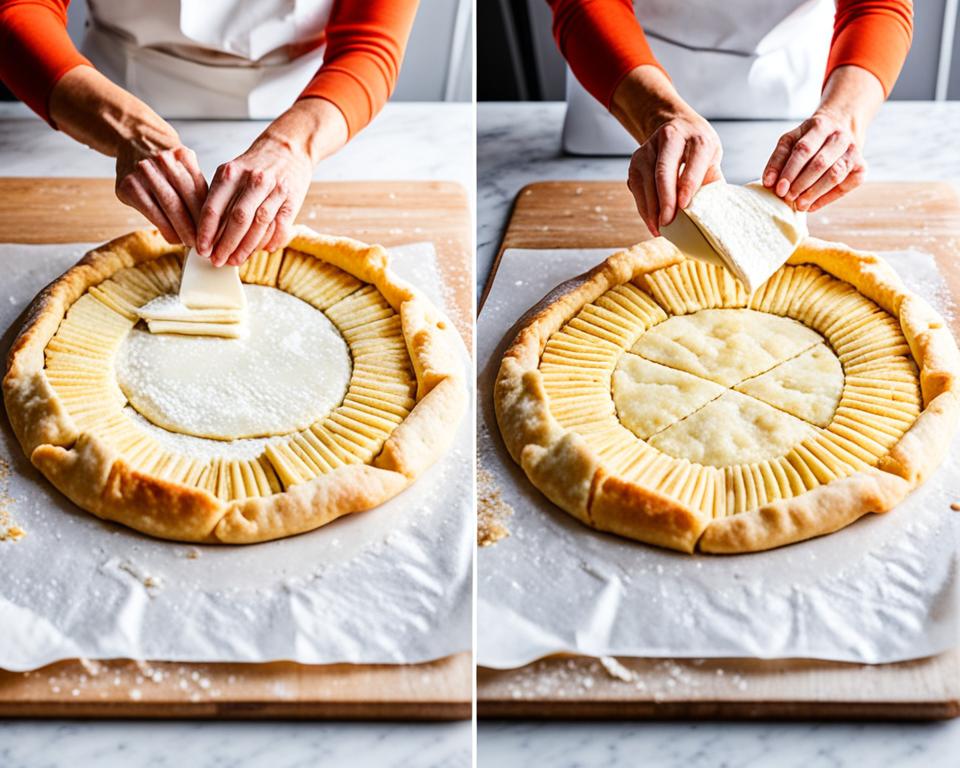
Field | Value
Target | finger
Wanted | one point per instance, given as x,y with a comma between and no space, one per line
649,185
284,223
834,176
131,191
239,215
635,185
184,180
169,199
226,181
854,179
831,151
188,159
267,237
815,133
779,157
699,159
713,174
263,217
667,170
183,184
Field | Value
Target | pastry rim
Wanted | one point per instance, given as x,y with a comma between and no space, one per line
97,478
570,473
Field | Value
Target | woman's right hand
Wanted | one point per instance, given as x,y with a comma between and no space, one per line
165,184
680,155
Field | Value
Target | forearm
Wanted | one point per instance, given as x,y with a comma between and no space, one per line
644,100
91,109
852,95
312,127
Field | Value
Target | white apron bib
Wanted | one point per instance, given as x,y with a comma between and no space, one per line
209,58
741,59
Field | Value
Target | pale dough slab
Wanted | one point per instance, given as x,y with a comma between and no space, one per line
733,429
288,371
650,397
204,286
808,386
752,230
169,308
725,345
190,328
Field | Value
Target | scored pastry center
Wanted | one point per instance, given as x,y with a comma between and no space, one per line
290,369
727,386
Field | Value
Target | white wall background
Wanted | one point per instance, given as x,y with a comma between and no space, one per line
439,58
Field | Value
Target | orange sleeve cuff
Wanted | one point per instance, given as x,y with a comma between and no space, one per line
602,42
35,50
365,45
874,35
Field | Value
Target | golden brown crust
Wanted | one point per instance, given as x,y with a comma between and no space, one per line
822,510
93,477
367,427
631,510
354,488
427,432
828,489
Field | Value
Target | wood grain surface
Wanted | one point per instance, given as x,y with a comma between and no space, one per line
882,216
34,210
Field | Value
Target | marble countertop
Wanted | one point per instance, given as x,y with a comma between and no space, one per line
407,141
520,143
138,744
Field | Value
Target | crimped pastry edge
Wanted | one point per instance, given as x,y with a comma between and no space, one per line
99,479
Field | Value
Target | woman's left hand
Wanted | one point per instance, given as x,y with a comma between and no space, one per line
253,201
815,163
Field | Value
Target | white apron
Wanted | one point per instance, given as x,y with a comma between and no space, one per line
737,59
209,58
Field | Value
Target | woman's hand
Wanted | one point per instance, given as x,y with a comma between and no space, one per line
679,150
156,174
815,163
254,199
165,185
679,157
820,160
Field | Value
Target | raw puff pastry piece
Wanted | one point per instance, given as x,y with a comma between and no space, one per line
650,397
733,429
725,345
752,230
204,286
808,386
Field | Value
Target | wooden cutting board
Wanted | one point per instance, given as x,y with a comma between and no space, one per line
882,216
46,210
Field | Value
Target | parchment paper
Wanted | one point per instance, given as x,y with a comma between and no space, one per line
881,590
392,585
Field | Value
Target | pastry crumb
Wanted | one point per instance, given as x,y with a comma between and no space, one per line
955,506
10,530
492,510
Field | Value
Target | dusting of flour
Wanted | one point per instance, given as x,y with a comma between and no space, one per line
289,370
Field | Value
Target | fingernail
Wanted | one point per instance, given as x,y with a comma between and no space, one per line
783,186
768,178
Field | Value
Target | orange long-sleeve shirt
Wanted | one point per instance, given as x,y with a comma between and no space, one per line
603,41
365,44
